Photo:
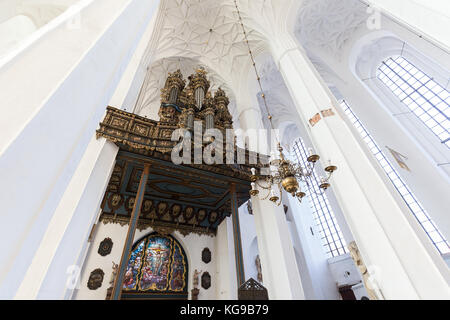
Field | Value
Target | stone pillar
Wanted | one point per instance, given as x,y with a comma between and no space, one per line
226,267
63,244
54,127
130,235
378,219
278,263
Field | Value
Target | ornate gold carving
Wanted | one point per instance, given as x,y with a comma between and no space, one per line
148,136
152,139
199,79
164,230
168,114
115,201
129,203
176,210
144,223
147,206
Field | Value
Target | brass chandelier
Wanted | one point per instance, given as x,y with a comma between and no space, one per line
283,173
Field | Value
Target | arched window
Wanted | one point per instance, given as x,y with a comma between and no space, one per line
332,238
411,201
429,101
157,266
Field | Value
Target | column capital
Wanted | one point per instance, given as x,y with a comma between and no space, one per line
283,44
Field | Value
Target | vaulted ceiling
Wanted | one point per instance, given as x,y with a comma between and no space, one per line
208,33
329,24
206,30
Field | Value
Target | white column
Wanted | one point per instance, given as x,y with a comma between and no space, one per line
66,78
278,263
226,288
250,118
65,240
429,18
382,226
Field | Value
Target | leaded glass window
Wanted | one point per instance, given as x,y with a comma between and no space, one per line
331,235
428,100
410,199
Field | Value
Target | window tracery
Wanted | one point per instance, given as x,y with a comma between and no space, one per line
330,232
410,199
428,100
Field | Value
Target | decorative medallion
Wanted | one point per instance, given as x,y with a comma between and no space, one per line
115,201
189,213
213,216
95,279
206,280
175,210
105,247
129,203
206,255
147,206
201,215
161,209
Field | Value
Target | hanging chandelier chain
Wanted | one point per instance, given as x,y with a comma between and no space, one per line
258,78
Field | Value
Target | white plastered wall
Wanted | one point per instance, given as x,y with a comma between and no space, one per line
68,91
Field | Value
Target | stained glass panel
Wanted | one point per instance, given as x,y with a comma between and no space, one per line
133,267
178,276
157,264
155,272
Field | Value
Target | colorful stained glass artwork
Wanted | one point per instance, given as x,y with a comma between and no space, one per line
178,270
157,264
134,264
155,272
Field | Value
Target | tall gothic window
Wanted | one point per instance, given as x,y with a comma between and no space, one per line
411,201
429,101
331,235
